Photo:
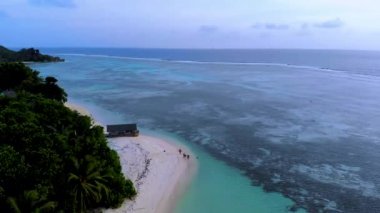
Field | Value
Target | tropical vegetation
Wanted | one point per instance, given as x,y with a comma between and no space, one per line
52,159
25,55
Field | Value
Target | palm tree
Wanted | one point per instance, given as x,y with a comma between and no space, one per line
31,201
87,184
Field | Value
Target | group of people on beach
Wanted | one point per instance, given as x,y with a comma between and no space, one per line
184,154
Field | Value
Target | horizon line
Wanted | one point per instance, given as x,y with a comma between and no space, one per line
194,48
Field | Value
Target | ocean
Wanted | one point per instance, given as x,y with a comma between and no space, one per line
275,130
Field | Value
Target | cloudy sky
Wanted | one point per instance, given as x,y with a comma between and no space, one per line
323,24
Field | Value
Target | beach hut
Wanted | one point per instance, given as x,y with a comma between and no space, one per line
118,130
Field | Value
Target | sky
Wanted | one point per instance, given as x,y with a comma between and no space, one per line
315,24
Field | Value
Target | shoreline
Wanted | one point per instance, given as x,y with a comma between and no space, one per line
159,172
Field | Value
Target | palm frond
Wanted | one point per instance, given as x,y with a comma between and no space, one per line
13,204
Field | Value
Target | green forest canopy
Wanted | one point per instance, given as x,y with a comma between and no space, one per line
26,55
52,158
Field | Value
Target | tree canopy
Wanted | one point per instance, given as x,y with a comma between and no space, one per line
52,158
30,55
18,77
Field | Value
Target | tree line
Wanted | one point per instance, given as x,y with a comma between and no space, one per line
26,55
52,158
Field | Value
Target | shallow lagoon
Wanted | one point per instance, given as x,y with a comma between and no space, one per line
311,134
216,187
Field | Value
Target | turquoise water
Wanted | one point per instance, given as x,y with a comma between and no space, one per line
216,187
301,123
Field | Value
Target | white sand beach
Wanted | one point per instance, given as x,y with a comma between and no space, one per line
82,110
79,109
159,172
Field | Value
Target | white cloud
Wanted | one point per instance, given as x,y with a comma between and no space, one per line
333,23
208,28
271,26
173,23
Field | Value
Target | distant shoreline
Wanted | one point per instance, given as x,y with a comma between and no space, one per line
159,172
